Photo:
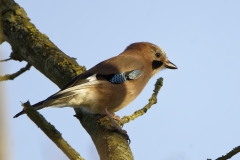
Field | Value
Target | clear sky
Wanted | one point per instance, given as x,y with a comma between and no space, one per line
197,114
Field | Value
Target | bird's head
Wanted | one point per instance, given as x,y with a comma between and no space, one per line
151,54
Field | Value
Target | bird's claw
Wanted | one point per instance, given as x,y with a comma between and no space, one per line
121,131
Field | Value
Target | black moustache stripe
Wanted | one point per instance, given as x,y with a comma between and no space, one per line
156,64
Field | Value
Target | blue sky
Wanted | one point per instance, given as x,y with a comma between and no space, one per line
197,113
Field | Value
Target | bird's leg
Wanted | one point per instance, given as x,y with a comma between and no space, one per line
116,126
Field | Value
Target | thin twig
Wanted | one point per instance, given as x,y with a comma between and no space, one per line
14,75
51,132
152,101
229,155
5,60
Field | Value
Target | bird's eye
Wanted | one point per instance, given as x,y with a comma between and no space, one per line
158,54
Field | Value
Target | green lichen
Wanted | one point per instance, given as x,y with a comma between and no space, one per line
21,12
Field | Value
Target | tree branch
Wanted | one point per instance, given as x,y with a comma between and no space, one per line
16,74
5,60
152,101
230,154
34,47
30,45
51,132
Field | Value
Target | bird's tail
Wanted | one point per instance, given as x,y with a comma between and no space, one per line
37,106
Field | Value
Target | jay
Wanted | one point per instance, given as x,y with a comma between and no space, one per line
111,84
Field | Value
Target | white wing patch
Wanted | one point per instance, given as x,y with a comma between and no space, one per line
92,80
75,95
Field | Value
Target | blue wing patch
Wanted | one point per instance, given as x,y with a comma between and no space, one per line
122,77
118,78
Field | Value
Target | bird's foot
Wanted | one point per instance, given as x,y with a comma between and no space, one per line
121,131
116,127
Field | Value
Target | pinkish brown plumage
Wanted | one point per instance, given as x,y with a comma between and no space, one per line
112,84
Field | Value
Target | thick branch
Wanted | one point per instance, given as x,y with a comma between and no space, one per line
110,145
36,48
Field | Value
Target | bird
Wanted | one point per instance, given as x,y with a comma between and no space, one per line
112,84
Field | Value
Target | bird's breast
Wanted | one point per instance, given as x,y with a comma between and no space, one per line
97,98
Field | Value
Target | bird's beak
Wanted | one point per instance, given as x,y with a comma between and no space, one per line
170,65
